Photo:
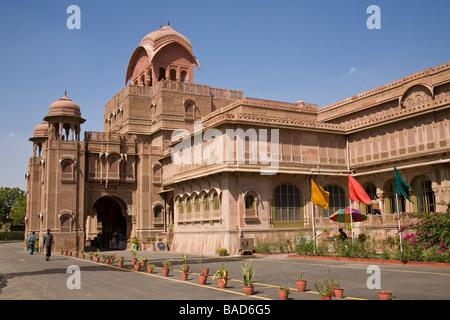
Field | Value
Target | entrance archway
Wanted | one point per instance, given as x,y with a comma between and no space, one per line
113,228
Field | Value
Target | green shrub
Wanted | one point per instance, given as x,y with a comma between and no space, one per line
222,252
12,236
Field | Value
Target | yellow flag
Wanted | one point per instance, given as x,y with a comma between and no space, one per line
319,196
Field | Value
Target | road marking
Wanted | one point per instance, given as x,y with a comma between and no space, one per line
176,280
355,267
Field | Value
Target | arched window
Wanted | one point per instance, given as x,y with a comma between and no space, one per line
162,74
371,191
216,202
338,200
173,74
390,203
206,203
157,214
67,170
189,107
249,202
188,205
183,76
196,204
423,195
66,222
287,206
180,206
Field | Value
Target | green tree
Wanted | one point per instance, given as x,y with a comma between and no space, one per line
19,210
9,198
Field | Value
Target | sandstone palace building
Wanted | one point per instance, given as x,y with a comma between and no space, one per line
205,168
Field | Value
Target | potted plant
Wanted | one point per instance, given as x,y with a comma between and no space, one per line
61,251
143,261
113,257
185,273
222,277
90,255
284,292
185,266
137,265
96,257
75,253
107,259
136,243
133,252
120,262
323,289
202,277
325,233
200,262
69,253
247,273
82,254
301,282
150,268
335,286
167,265
384,294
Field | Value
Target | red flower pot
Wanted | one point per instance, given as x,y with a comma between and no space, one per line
384,294
248,290
325,297
165,272
184,276
137,267
120,263
222,283
202,279
301,285
149,270
283,294
338,293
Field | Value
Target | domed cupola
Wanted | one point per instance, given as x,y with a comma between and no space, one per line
162,54
64,119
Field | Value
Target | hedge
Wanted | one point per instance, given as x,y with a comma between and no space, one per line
12,236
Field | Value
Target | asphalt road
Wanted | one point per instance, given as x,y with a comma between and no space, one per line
30,277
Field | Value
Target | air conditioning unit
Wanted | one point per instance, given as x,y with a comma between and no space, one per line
246,245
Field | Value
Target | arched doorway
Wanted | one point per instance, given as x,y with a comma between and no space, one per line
112,229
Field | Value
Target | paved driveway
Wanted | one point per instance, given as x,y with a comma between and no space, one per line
30,277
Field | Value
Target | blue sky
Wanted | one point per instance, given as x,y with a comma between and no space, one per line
316,51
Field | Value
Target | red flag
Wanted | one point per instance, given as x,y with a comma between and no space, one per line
357,192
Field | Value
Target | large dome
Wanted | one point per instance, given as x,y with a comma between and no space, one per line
165,34
162,54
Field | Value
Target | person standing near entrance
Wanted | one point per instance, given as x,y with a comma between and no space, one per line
48,241
31,242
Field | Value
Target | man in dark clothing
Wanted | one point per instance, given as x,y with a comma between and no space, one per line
342,235
48,241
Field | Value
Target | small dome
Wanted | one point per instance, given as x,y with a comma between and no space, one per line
41,130
64,107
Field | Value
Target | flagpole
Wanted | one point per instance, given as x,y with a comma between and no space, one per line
399,232
313,226
348,172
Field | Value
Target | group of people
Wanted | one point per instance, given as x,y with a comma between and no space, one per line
48,241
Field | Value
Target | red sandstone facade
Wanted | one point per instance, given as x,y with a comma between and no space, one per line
124,182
